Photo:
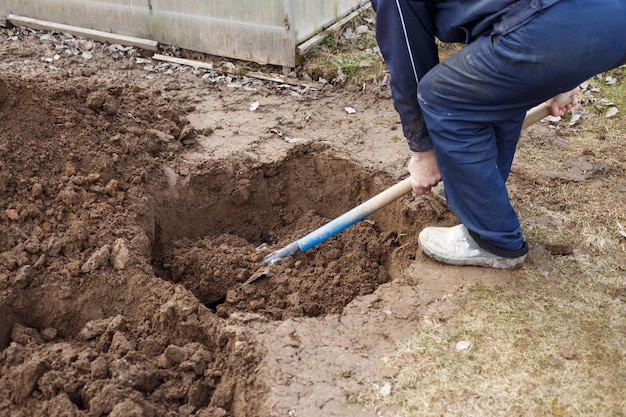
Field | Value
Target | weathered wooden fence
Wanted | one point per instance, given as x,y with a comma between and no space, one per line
262,31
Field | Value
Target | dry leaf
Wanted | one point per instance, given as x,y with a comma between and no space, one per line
612,111
574,119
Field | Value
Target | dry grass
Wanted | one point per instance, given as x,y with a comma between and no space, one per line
553,341
351,56
531,354
348,57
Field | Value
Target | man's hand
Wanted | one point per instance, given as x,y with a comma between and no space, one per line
557,111
424,171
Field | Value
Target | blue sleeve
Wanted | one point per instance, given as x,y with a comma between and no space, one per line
405,33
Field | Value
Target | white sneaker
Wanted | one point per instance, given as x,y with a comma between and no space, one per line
455,246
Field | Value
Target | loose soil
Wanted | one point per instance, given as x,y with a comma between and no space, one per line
137,197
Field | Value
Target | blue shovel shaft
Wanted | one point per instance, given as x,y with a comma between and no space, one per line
377,202
342,222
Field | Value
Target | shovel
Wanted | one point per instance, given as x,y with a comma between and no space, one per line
372,205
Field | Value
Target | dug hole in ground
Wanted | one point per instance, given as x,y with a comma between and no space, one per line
138,196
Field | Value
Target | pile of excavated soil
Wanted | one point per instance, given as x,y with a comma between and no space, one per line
120,289
87,327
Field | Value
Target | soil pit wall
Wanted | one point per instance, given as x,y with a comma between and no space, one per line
211,232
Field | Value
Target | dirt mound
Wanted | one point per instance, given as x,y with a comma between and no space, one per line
119,279
135,203
86,329
215,269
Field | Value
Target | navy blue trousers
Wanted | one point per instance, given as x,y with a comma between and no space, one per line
474,102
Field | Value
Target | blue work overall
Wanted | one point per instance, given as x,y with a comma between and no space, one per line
473,103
